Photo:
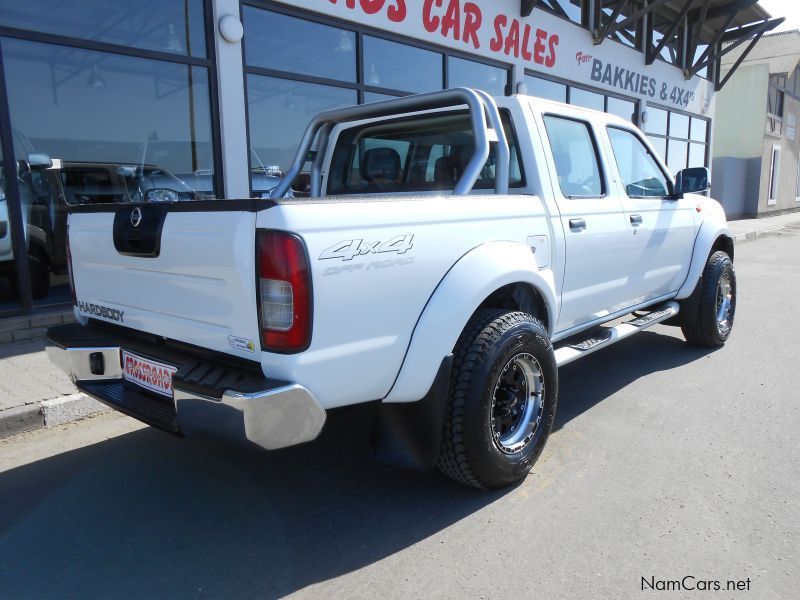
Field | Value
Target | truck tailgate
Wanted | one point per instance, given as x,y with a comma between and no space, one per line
182,272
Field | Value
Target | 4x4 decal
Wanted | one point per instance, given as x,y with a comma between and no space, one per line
349,249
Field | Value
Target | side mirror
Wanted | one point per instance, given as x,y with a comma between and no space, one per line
695,180
42,161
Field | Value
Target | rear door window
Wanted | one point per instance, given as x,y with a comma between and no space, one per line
413,154
575,156
640,173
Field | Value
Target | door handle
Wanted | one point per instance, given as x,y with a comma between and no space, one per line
577,224
636,220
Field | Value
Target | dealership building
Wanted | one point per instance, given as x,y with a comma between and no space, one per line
209,98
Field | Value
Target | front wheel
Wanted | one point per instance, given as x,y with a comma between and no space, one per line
712,322
502,404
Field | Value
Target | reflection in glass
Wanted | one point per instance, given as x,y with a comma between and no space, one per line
678,126
9,297
284,43
91,127
697,155
677,155
575,157
622,108
656,121
660,145
278,112
468,73
373,97
640,173
699,129
586,99
146,113
544,88
173,26
400,67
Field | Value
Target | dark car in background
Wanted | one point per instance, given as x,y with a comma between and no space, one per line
47,188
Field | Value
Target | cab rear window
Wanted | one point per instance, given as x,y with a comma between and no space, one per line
413,154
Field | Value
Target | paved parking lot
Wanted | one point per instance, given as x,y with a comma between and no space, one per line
667,462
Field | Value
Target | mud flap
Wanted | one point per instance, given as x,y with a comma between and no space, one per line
410,434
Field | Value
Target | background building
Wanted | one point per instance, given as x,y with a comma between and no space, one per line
756,146
145,100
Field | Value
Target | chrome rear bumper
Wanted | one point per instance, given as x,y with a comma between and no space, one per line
281,415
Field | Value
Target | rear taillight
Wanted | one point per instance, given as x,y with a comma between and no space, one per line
285,292
69,272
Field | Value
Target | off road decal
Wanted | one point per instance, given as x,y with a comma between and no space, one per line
349,249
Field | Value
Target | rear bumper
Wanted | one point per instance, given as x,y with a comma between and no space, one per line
267,413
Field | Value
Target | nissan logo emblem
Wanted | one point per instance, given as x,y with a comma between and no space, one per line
136,216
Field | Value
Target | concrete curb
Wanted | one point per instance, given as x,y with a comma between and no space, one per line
750,236
69,408
20,418
48,413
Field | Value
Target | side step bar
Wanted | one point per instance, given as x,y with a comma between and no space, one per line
601,337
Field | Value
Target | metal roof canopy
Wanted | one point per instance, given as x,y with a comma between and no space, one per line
684,25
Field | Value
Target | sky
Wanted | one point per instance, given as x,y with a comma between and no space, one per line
784,8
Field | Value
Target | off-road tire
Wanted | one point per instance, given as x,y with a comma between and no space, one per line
702,328
470,452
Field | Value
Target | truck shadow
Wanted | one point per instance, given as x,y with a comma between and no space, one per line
145,514
588,381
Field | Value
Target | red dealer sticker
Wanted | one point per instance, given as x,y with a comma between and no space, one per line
151,375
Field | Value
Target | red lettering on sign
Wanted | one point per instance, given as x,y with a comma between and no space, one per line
473,18
152,375
539,47
526,39
429,20
512,41
457,23
397,12
550,61
496,43
507,39
452,20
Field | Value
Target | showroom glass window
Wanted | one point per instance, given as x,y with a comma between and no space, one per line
681,140
570,94
9,294
297,67
108,102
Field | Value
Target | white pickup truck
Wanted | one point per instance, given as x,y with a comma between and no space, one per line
455,251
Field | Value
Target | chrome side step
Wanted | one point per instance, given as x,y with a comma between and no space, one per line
601,337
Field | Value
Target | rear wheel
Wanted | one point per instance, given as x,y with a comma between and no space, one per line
712,323
503,395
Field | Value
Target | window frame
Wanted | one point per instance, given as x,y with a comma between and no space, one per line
601,168
8,162
797,183
360,30
774,175
668,137
505,116
643,142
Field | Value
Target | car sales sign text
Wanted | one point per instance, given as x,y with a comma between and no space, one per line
465,22
540,43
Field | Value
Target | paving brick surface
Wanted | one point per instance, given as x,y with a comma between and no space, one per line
28,377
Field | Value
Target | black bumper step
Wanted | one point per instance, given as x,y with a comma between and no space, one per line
155,410
200,371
